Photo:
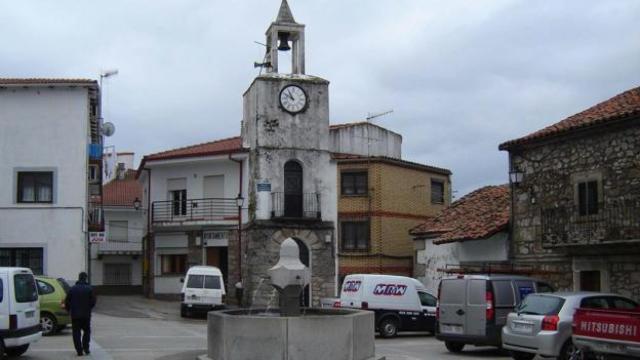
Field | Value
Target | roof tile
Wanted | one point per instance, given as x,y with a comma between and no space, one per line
122,192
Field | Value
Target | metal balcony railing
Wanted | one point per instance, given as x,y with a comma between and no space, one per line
210,209
300,206
95,216
565,226
120,247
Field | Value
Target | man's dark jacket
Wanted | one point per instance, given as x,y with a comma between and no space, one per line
80,300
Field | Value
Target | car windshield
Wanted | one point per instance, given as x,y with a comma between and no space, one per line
540,305
25,288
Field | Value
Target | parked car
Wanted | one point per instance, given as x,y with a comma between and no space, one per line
53,316
203,290
400,303
473,308
606,331
542,324
19,311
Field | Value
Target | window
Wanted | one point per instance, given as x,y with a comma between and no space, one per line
35,187
203,281
44,288
354,183
503,292
594,303
437,192
25,288
354,235
212,282
173,264
622,303
544,288
195,281
31,258
426,299
540,305
94,173
588,197
590,280
118,231
179,199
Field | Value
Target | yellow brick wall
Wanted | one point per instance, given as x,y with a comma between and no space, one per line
399,200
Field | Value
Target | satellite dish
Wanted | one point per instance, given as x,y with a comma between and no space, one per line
108,129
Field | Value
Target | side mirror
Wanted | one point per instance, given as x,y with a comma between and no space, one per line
181,279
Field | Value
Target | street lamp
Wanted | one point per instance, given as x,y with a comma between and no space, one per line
106,74
137,204
515,176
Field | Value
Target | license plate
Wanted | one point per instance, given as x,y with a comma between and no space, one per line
451,329
29,314
522,327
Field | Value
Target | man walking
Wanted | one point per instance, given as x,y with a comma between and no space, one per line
79,302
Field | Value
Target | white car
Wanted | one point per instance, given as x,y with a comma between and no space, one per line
19,311
203,290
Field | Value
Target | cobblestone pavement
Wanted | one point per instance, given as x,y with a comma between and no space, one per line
130,327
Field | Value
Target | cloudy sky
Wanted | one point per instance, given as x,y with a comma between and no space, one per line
461,76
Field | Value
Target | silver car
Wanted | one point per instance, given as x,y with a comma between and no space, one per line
541,324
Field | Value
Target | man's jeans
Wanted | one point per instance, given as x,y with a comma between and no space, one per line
83,325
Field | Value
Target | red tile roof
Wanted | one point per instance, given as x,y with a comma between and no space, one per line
621,106
45,81
477,215
122,192
223,146
342,158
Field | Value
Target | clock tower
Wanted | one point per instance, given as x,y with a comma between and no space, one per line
292,179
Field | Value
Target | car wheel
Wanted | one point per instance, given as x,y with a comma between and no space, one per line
17,351
519,355
183,312
454,347
568,351
388,327
48,323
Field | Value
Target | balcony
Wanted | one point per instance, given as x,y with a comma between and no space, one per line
95,217
95,151
195,211
564,226
295,206
120,248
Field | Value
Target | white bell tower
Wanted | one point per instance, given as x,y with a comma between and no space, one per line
283,31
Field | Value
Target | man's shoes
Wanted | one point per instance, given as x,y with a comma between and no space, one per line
87,352
79,354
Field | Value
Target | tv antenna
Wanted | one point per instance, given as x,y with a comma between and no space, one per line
371,116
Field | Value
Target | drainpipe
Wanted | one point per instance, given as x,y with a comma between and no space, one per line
239,219
149,216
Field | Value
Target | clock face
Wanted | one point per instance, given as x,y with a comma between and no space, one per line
293,99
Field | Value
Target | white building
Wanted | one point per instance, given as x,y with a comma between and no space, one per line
50,166
116,263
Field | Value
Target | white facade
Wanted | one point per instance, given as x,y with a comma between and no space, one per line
438,257
46,129
203,178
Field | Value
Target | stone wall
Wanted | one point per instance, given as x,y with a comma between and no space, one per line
610,156
261,244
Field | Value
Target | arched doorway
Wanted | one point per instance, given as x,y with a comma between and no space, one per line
292,189
305,297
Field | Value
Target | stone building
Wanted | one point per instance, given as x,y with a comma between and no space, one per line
576,198
471,235
381,197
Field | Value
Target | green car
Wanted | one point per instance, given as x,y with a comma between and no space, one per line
53,316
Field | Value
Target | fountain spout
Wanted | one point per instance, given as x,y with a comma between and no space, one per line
289,276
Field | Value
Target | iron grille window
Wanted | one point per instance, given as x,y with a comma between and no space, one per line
354,183
355,235
588,197
31,258
117,274
173,264
35,187
437,192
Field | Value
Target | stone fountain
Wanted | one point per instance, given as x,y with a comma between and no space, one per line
290,332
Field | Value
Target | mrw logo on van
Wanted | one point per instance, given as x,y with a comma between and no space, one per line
389,289
351,286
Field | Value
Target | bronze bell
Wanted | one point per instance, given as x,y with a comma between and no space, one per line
283,39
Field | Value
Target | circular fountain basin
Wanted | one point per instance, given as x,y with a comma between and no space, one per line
331,334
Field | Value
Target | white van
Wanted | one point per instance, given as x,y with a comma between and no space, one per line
203,290
400,303
19,311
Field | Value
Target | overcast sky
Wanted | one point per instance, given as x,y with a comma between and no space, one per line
461,76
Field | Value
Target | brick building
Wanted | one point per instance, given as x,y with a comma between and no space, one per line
576,198
380,198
